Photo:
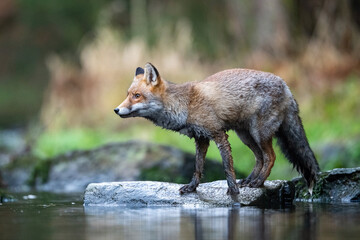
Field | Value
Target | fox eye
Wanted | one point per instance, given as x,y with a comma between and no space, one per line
137,95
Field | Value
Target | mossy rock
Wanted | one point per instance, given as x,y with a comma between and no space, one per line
129,161
338,185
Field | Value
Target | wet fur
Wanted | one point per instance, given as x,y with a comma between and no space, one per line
257,105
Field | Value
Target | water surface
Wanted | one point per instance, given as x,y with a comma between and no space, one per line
48,216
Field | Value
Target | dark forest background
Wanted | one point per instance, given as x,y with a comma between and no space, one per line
64,65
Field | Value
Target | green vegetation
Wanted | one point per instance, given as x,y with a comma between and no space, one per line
41,171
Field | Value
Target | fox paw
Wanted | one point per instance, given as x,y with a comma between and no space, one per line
233,191
188,188
244,182
256,183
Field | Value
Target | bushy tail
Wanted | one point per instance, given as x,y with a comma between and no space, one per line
294,144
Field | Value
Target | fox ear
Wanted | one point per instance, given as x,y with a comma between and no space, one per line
151,74
139,70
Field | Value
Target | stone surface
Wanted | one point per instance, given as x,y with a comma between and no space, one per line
337,185
276,193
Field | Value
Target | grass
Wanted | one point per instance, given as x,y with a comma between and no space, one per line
51,144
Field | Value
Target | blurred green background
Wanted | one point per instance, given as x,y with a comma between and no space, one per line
65,65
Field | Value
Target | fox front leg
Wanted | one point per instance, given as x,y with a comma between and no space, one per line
202,145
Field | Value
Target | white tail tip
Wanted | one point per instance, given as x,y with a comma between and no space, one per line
311,187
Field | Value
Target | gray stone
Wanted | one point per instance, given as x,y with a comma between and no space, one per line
276,193
15,178
337,185
13,145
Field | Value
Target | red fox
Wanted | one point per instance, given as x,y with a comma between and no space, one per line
256,105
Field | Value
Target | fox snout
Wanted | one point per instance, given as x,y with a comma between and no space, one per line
122,112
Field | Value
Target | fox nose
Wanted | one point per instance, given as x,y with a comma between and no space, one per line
116,110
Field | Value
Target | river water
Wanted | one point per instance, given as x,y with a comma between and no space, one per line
47,216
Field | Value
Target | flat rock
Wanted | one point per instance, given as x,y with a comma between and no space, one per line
275,193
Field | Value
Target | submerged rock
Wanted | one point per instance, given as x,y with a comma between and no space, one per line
338,185
276,193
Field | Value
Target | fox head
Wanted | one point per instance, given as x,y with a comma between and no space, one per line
144,95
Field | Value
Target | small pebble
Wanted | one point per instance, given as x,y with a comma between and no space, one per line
29,197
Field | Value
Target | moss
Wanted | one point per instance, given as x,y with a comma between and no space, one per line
302,191
41,170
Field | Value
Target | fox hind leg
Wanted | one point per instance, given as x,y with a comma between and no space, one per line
249,141
268,163
221,140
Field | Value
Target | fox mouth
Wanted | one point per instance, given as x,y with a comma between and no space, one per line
126,113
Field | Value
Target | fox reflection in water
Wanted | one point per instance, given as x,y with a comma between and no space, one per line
208,223
256,224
